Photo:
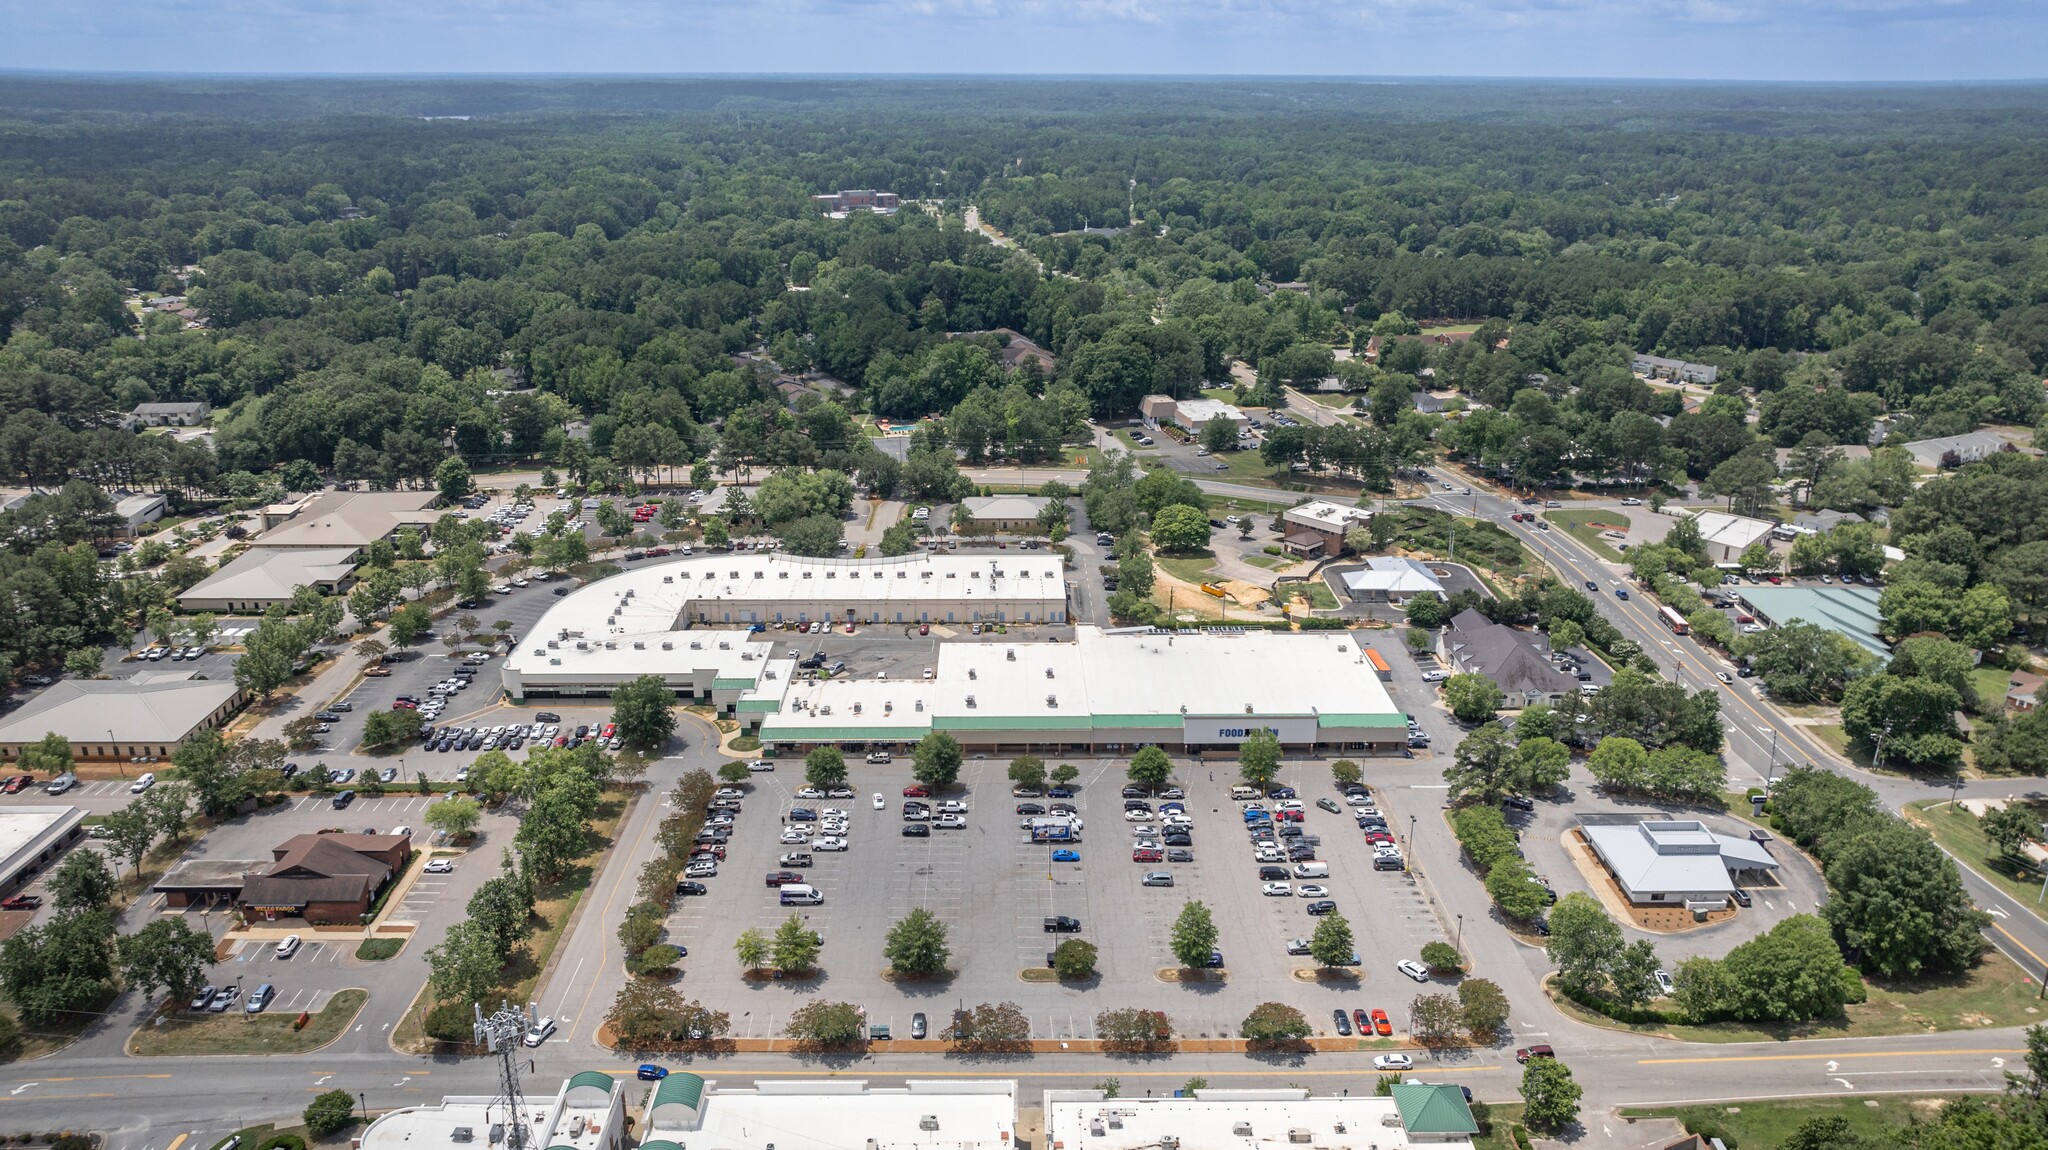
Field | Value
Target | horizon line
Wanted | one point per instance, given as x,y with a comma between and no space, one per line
1204,79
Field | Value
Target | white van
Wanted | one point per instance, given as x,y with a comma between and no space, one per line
1243,794
800,894
590,504
1311,870
60,784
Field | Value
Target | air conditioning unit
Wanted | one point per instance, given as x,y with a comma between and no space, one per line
462,1134
1052,700
668,578
1241,1129
1010,653
667,646
928,1122
856,708
1048,672
639,646
696,646
1299,1134
970,700
970,673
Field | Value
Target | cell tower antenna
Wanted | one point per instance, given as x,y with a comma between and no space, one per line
500,1033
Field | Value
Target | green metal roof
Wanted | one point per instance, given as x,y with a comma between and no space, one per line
761,706
1168,722
731,684
592,1078
1361,721
681,1087
1013,722
1433,1109
770,733
659,1144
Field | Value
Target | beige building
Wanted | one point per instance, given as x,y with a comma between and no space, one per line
146,716
261,576
1009,514
1316,529
347,518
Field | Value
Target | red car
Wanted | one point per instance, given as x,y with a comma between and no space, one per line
1147,854
1380,1025
1289,816
917,791
1358,1016
778,877
607,732
652,552
924,628
14,785
714,850
21,902
402,705
1378,837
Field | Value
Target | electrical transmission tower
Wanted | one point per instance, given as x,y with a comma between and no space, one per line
500,1034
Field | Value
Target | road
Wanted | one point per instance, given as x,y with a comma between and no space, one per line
1759,736
145,1104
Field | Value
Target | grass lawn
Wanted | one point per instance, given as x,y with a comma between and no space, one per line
1834,736
1452,329
1580,526
554,906
1225,394
235,1032
1764,1124
1244,467
1190,570
36,1043
1128,437
1267,561
1337,399
1995,993
1990,683
1319,595
378,949
1504,1115
1958,832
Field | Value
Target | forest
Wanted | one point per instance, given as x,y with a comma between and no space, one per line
378,274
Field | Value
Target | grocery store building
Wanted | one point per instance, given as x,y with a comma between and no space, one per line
1189,692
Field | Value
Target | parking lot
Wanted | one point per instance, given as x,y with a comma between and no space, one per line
993,887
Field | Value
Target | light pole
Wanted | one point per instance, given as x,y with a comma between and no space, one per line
364,1098
1461,937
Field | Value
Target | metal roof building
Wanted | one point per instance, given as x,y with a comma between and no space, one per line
588,1113
1671,861
1847,611
261,576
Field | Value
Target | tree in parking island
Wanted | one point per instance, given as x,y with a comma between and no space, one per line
1258,758
1194,935
1073,958
825,767
1331,944
1150,768
796,946
642,714
1550,1098
1274,1022
916,945
1027,772
455,817
828,1024
936,761
166,956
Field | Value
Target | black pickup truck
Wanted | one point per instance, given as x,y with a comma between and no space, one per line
1062,924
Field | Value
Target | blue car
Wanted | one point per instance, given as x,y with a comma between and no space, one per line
1066,856
649,1072
802,815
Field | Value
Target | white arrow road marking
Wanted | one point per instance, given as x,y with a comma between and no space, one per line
1998,1064
1846,1084
1997,910
403,1081
322,1080
383,1028
24,1086
1833,1066
359,1028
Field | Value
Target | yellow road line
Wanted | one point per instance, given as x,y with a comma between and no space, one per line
53,1097
178,1141
1835,1057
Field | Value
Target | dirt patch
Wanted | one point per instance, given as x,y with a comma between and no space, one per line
1183,974
1181,598
1324,974
1655,919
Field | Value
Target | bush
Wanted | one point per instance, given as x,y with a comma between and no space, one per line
451,1022
276,1142
657,961
1441,956
331,1113
378,949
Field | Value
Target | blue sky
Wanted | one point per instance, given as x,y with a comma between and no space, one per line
1650,39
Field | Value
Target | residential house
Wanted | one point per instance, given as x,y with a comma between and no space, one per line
2022,691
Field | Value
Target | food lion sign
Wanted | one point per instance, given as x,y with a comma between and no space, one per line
1210,730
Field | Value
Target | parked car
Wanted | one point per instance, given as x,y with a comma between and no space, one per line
1392,1062
1539,1050
1342,1022
21,902
1413,969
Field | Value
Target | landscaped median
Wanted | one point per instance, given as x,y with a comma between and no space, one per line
178,1032
607,1039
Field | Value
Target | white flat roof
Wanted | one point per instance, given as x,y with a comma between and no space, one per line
1327,515
647,604
21,826
1204,410
1732,531
1211,1120
848,1115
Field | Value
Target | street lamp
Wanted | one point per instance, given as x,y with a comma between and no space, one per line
1461,936
364,1098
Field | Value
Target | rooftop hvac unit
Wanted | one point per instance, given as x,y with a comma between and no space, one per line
1299,1134
827,709
1048,672
970,672
1169,1142
610,645
746,656
1095,1127
462,1134
856,708
497,1133
970,700
629,593
667,646
1241,1129
1052,700
638,645
554,642
576,1125
696,646
554,662
668,578
1010,653
920,704
582,646
724,646
928,1122
1247,708
888,707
